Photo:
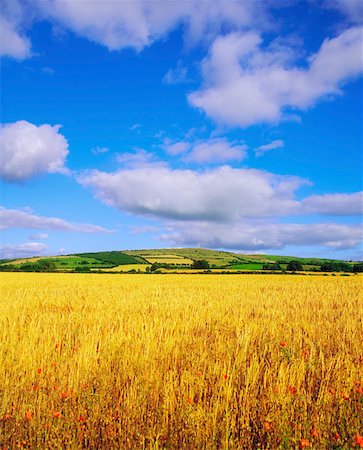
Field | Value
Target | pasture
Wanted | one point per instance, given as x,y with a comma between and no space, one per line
180,361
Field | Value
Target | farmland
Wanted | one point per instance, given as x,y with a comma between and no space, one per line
180,361
175,260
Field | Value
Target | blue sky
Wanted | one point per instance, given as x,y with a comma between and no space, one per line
142,124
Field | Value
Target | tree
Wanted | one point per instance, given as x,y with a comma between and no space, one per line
271,266
358,267
200,264
293,266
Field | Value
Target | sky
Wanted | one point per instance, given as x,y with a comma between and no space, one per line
225,124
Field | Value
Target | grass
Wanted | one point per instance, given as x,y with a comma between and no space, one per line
180,361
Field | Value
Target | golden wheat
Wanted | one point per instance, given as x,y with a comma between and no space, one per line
180,361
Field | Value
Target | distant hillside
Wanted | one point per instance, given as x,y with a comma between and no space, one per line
175,259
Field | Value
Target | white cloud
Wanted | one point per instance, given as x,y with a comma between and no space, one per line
216,151
175,148
48,70
278,143
138,158
11,251
334,204
227,207
178,75
38,236
135,126
12,43
28,150
14,218
245,84
263,236
221,194
206,151
352,9
136,24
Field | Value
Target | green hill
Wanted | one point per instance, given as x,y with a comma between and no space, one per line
172,259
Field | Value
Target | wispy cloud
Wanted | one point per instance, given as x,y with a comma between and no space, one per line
12,251
14,218
100,150
262,149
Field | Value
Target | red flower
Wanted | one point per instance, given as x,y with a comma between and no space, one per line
64,395
292,390
40,370
28,415
57,414
358,441
283,344
225,377
81,419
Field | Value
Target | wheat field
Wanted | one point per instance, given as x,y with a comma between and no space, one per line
180,361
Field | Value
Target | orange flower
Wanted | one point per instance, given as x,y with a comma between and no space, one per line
332,391
190,400
56,347
314,433
35,387
55,387
199,373
358,441
28,415
57,414
40,370
225,377
360,390
64,395
304,443
283,344
267,425
345,396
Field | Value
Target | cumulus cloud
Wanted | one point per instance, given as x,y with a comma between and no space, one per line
250,236
14,218
262,149
245,84
334,204
136,24
227,207
220,194
28,150
13,251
